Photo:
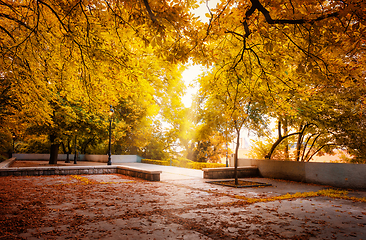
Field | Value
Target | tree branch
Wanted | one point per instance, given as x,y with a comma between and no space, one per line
151,14
8,33
16,20
330,144
304,157
256,5
56,15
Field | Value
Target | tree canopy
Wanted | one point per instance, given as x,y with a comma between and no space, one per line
299,62
301,58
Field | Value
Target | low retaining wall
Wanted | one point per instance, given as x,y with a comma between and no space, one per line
343,175
80,170
224,173
139,173
7,163
81,157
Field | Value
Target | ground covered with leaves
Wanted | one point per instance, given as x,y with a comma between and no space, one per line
119,207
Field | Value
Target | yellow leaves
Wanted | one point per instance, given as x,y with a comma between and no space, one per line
341,194
86,181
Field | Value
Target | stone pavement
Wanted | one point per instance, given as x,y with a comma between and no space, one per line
168,172
181,206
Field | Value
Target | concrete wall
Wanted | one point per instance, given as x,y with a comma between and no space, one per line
294,171
34,156
125,158
344,175
81,157
92,158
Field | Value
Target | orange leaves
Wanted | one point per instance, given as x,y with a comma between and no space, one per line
41,207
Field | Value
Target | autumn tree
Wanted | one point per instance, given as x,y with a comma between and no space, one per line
297,51
58,57
63,56
232,94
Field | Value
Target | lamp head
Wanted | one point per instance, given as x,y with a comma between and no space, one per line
111,111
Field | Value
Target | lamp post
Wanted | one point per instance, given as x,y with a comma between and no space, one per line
111,112
13,147
75,147
227,162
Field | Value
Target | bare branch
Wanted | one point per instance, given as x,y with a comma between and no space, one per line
56,15
212,19
311,146
330,144
7,33
16,20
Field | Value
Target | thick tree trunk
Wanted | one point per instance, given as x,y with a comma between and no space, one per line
54,150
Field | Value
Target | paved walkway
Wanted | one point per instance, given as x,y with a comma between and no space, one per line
168,172
181,206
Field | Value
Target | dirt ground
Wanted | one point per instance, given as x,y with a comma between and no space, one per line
119,207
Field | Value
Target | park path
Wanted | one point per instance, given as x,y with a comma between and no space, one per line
168,172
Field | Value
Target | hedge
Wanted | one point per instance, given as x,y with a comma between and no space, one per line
156,162
183,162
200,165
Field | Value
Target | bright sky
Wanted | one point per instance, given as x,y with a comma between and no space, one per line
189,75
193,71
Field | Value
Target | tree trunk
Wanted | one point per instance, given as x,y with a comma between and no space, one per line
236,157
275,144
67,151
298,144
280,138
285,132
54,150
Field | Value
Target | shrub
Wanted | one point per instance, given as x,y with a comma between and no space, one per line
156,162
3,158
200,165
183,162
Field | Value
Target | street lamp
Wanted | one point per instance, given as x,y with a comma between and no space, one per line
227,162
111,112
13,137
75,147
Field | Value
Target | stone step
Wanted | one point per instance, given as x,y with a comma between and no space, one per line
228,172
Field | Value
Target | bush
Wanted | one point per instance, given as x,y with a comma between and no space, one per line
200,165
156,162
183,162
3,158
